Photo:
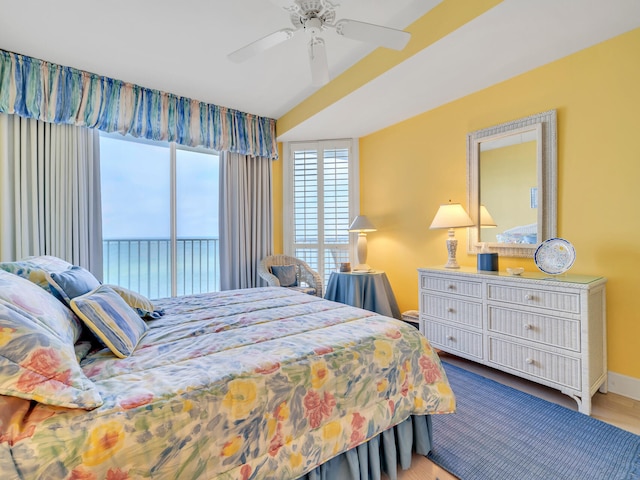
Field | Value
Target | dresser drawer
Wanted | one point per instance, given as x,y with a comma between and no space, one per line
562,370
451,285
454,340
533,297
558,332
452,309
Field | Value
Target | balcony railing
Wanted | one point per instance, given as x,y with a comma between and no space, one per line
144,265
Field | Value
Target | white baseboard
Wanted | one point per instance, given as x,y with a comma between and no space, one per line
623,385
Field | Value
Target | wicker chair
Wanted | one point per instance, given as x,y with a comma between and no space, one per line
309,281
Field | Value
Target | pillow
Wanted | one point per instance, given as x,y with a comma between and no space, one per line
38,360
110,318
49,263
71,283
286,274
138,302
27,271
41,306
35,269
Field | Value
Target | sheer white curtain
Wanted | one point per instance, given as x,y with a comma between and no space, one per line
50,192
246,232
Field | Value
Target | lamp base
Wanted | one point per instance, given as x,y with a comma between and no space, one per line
452,264
452,246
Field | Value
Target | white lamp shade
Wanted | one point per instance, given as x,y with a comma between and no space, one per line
486,220
451,215
361,224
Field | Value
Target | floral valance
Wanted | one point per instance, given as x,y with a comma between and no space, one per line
33,88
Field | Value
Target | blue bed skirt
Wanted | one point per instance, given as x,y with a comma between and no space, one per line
383,453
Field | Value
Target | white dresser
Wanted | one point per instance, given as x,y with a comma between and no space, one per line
551,330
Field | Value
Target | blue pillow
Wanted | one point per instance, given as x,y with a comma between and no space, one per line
286,274
110,318
71,283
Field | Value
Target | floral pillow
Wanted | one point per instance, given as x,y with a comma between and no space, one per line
49,263
27,271
35,275
37,357
35,269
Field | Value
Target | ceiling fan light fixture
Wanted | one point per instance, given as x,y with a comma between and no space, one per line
313,26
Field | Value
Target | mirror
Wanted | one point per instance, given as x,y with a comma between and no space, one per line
512,185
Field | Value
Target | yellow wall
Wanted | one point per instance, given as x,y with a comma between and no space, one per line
407,170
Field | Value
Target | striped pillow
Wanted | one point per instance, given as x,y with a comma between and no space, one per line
138,302
110,318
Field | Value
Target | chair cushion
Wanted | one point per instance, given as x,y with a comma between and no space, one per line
286,274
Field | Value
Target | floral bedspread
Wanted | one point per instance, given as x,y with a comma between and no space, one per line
257,383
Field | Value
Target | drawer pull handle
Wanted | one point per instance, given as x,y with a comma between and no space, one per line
449,337
528,361
528,296
527,326
450,310
451,286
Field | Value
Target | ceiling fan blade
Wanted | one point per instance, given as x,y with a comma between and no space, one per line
376,34
261,45
318,61
288,5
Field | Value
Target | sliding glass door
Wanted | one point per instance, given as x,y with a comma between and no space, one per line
160,217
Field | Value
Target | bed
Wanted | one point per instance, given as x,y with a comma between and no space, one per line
521,234
256,383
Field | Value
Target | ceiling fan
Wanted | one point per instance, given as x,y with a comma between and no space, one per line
314,17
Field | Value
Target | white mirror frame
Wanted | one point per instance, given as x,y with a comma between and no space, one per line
547,164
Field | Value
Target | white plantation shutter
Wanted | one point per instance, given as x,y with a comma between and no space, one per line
319,203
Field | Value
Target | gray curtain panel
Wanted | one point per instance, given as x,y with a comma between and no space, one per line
50,192
246,231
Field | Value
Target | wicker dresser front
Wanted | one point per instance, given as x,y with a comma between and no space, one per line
551,330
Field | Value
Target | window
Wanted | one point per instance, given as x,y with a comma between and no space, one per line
159,216
320,200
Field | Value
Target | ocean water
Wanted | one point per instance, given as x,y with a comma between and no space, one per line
144,265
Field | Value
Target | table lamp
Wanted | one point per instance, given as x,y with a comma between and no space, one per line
486,220
487,260
451,216
361,225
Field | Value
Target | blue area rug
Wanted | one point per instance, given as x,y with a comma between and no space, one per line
502,433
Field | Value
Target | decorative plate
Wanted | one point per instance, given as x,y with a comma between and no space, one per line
555,256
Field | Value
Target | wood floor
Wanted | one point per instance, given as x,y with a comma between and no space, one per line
617,410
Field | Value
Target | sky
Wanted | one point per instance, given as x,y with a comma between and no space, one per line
135,183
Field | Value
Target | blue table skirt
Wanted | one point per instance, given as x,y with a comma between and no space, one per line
371,291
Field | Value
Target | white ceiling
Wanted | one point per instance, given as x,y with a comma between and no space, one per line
181,47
